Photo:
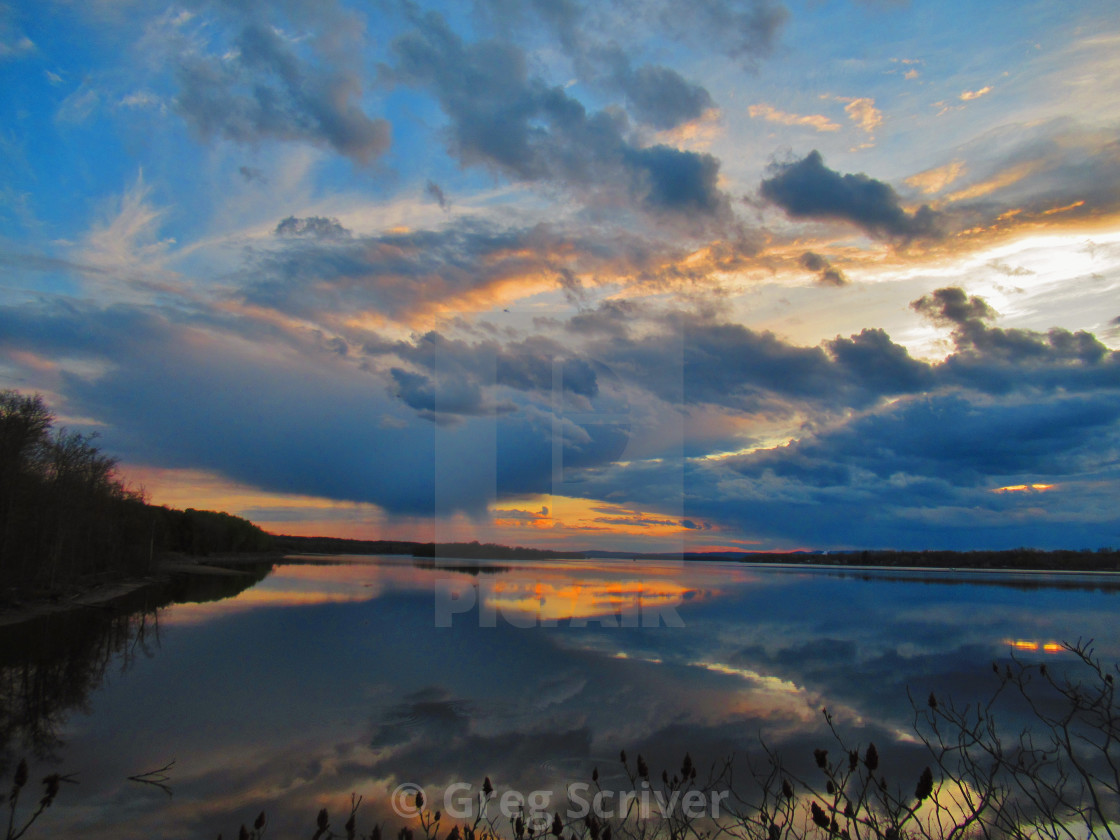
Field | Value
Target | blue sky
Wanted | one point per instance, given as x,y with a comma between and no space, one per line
752,275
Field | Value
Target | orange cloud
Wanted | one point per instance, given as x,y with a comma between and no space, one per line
862,111
935,180
817,122
694,135
1003,179
969,95
1054,210
287,513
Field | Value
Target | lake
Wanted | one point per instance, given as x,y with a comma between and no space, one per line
321,678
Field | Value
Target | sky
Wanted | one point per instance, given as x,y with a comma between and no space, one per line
626,275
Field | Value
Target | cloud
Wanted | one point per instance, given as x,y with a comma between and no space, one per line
894,443
455,397
316,227
1057,165
863,113
658,96
184,392
741,29
808,189
1001,361
435,191
817,122
267,86
535,364
953,307
14,43
80,104
935,180
126,243
470,265
912,459
952,438
757,373
398,275
504,119
969,95
826,274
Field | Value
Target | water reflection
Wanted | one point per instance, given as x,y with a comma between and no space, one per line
326,679
51,665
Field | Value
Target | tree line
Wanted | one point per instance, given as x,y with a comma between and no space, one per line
66,517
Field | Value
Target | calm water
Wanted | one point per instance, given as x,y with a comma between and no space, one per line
324,679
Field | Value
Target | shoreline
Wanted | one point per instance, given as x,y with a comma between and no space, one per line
102,595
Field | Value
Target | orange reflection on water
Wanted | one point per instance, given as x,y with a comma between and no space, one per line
292,585
547,590
565,600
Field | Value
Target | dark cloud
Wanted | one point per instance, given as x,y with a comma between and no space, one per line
611,317
455,397
952,306
742,29
172,387
900,451
660,97
316,227
826,274
808,189
674,180
531,365
454,374
435,191
268,88
953,437
604,41
874,364
504,119
916,462
250,173
740,369
657,96
1000,360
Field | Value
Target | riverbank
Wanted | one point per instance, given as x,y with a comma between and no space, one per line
17,607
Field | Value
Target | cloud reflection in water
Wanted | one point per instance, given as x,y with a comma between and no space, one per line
326,679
